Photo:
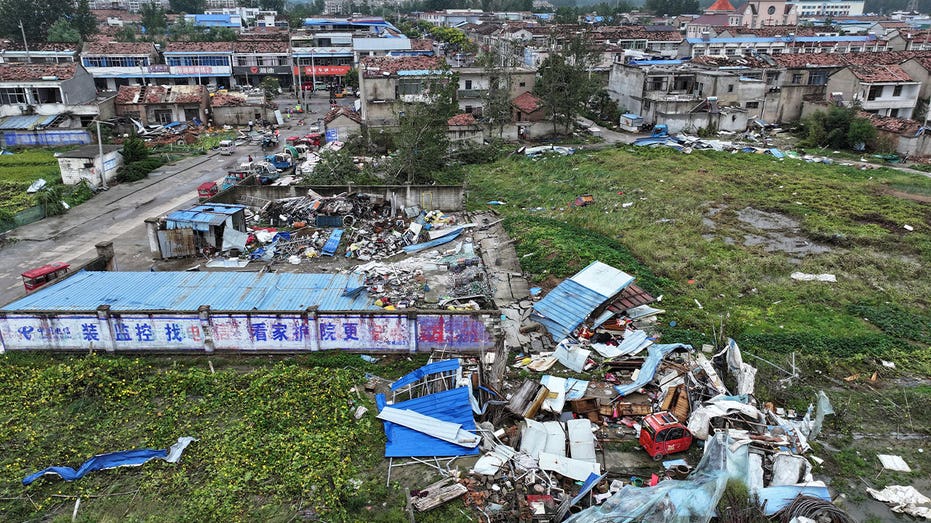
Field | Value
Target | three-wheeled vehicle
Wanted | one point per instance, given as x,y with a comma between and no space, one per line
226,147
661,434
207,190
35,278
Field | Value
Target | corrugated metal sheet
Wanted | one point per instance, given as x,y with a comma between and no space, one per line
27,122
573,300
450,405
428,369
186,291
201,217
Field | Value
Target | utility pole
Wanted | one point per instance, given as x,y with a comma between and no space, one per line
26,45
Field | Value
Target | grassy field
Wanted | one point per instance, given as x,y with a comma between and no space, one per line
19,170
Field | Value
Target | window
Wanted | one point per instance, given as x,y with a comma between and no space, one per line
894,113
522,84
771,10
876,91
198,60
796,78
468,85
817,78
730,88
468,109
752,105
162,116
729,52
115,61
409,87
656,84
46,95
12,95
897,90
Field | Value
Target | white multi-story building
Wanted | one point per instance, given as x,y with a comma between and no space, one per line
821,8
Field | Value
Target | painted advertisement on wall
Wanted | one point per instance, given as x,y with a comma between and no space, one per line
234,332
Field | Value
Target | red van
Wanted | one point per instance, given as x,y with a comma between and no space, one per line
662,434
35,278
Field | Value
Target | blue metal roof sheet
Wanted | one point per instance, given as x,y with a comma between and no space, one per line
431,368
573,300
28,122
187,291
449,405
201,217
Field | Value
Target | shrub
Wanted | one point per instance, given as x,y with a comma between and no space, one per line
134,150
138,170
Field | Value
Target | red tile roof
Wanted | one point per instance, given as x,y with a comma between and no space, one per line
36,72
526,102
13,45
228,99
421,44
127,94
107,48
720,5
880,73
632,296
891,124
193,47
375,66
162,94
336,112
461,119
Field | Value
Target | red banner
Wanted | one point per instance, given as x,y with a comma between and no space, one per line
324,70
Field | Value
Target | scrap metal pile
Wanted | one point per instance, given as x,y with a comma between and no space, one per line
549,445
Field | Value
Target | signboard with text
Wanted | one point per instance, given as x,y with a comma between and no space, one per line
323,70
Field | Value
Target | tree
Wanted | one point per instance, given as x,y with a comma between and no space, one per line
334,167
187,6
271,86
421,141
37,16
671,7
154,19
83,20
352,78
496,102
62,31
125,34
564,85
838,128
134,149
272,5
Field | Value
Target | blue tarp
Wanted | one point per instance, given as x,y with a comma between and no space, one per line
329,249
775,499
125,458
431,368
446,238
450,405
655,355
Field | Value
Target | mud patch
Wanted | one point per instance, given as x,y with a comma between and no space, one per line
776,232
923,198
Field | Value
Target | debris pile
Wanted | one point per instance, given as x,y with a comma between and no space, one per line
549,445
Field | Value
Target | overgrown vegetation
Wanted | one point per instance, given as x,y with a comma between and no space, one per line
19,170
839,128
137,161
275,442
683,224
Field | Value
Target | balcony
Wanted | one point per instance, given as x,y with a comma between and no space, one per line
471,93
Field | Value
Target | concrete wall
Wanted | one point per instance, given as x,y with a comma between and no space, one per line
625,86
448,198
345,127
73,170
80,88
241,114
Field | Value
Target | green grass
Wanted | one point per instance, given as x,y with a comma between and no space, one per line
658,237
277,437
19,170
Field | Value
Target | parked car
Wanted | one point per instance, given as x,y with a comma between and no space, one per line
226,147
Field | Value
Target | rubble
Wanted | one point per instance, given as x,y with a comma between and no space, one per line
546,440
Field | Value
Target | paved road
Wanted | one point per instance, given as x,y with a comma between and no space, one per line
118,215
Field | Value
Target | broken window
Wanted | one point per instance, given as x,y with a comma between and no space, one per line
875,92
897,90
46,95
12,95
797,78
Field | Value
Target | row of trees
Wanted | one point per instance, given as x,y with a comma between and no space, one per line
37,20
